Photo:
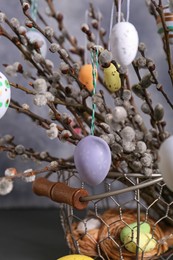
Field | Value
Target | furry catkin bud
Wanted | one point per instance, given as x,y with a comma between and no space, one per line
6,186
158,112
119,114
15,22
105,58
54,47
49,31
139,92
19,149
127,133
145,108
40,100
146,81
40,85
2,17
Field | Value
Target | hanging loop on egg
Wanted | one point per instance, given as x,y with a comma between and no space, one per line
119,11
119,17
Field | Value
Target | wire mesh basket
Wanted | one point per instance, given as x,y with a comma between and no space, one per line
93,224
101,238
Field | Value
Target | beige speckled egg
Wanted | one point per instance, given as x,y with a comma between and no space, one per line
146,242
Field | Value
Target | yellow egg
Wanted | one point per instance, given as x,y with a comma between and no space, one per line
85,76
75,257
111,78
146,242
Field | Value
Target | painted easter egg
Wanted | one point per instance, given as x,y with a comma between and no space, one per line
127,230
34,36
85,76
89,224
112,78
75,257
5,94
165,161
92,158
168,17
124,43
146,242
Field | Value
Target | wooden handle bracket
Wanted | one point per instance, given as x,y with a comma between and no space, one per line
60,192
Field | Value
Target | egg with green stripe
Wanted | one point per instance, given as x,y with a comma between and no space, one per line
168,17
5,94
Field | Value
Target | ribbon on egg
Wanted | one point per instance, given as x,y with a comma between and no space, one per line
123,39
92,155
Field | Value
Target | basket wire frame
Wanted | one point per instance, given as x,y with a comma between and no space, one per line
122,202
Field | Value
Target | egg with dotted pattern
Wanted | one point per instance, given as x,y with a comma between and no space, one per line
124,42
92,158
75,257
165,161
5,95
35,36
112,78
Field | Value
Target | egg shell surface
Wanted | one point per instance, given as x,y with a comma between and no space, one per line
146,242
5,95
112,78
75,257
88,224
85,76
127,230
37,36
124,42
166,162
92,158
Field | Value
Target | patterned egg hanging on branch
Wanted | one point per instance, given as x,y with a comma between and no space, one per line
124,43
5,94
168,18
112,78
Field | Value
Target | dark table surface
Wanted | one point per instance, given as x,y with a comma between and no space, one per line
31,234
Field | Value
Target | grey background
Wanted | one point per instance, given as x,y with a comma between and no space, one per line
31,135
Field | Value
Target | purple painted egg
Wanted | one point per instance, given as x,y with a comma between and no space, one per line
92,158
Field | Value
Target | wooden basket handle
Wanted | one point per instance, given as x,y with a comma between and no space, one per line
60,192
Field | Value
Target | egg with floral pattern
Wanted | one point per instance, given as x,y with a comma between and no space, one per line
5,95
